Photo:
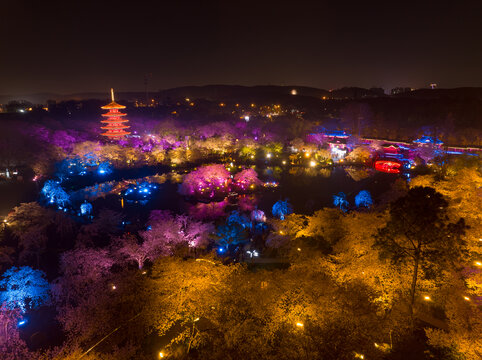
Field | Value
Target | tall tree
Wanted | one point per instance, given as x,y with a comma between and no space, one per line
24,288
418,231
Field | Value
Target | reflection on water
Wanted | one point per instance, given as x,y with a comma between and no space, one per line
208,211
247,202
307,189
310,172
326,172
358,174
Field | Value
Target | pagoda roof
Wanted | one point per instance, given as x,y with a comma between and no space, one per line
113,105
111,121
115,127
117,134
114,114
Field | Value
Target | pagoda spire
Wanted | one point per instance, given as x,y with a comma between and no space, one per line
112,94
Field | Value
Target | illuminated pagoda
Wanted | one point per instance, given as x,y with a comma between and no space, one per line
116,126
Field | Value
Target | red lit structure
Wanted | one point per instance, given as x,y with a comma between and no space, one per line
388,166
115,127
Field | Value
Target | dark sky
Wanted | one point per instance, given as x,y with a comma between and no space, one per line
75,46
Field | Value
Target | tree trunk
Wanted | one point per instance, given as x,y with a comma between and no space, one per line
414,284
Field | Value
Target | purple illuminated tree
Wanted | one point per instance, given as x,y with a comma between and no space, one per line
258,216
24,288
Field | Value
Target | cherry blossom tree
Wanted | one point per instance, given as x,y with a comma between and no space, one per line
12,347
207,181
246,179
131,248
29,223
24,288
168,232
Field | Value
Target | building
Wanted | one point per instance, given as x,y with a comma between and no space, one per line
400,90
116,126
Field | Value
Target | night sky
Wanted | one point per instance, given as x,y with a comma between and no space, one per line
77,46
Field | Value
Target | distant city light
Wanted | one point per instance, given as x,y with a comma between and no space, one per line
312,163
294,92
246,118
268,155
427,298
299,324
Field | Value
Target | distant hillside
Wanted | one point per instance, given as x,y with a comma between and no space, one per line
238,93
456,93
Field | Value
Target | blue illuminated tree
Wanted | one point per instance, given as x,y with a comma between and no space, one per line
281,209
104,168
70,167
24,288
363,199
86,208
339,200
91,159
54,194
231,234
235,218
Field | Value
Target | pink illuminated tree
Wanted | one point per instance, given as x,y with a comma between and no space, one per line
168,233
246,179
11,345
207,181
129,247
80,269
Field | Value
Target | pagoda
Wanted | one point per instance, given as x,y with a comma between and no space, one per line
116,126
